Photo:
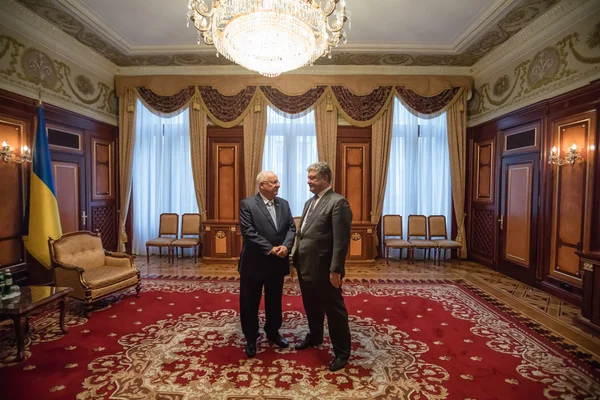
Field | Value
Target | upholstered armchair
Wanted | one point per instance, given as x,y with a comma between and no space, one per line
80,262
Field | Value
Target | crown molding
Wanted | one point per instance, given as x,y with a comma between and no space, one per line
115,38
26,23
93,20
489,17
534,35
313,70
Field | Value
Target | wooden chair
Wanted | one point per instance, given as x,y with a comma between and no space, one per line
417,228
392,236
190,226
168,229
437,229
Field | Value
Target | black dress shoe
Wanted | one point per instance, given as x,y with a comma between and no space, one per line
337,364
279,341
306,343
250,349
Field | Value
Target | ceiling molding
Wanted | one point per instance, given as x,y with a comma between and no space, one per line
25,22
490,17
555,20
314,69
487,18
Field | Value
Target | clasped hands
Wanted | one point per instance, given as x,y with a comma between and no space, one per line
279,251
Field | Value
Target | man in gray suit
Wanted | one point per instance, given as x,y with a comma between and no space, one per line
319,257
268,230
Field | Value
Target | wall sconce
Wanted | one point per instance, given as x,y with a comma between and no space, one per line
572,156
8,154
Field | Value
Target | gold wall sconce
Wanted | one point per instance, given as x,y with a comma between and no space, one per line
9,154
572,156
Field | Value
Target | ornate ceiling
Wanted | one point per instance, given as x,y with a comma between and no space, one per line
493,23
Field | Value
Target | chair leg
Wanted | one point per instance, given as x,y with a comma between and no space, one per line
458,254
137,290
195,253
387,255
147,255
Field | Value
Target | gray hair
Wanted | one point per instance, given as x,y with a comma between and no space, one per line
322,168
262,177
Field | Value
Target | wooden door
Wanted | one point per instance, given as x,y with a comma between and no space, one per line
518,217
69,180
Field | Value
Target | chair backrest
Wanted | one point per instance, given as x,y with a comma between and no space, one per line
82,249
190,224
417,226
437,226
169,224
297,222
392,225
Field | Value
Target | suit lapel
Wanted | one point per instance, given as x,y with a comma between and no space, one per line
261,205
320,205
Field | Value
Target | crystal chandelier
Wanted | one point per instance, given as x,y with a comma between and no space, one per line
270,36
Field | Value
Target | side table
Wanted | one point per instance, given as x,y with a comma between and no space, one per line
31,299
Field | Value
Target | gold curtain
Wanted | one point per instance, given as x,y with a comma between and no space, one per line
326,119
255,130
381,141
456,119
126,145
198,151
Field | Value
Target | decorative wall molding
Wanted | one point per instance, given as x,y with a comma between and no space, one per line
313,70
28,24
30,69
564,62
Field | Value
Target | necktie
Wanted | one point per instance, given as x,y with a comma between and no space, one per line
310,210
271,208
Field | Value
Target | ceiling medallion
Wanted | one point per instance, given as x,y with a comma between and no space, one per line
270,36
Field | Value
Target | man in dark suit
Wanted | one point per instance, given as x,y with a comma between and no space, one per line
319,257
268,230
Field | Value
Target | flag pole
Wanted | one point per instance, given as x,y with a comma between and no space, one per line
40,96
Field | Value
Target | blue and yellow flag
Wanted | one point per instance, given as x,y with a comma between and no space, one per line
41,219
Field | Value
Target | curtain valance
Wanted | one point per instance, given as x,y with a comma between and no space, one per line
359,110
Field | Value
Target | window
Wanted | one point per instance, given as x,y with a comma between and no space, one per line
418,179
162,173
290,147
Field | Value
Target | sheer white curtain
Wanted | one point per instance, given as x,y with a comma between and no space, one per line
162,173
290,147
419,169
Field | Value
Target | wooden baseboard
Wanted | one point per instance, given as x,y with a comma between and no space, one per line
586,324
560,293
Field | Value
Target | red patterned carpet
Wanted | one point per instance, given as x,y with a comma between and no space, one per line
182,340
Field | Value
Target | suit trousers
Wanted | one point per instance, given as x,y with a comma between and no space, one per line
250,295
321,298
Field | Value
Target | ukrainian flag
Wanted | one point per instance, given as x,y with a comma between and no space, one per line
42,219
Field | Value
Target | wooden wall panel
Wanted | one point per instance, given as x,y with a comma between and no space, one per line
355,176
484,172
570,196
222,239
102,170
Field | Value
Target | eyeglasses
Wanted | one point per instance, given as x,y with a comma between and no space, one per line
272,182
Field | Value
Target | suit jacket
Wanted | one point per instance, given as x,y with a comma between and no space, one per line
322,246
260,236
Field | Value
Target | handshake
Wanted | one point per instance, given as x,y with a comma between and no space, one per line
279,251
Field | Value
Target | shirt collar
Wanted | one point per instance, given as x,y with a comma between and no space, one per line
265,199
322,193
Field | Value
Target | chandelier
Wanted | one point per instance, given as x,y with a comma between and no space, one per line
270,36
